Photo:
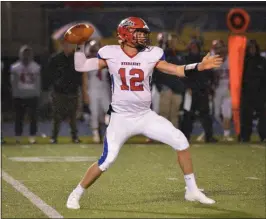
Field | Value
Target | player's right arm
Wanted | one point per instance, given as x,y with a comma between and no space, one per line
82,64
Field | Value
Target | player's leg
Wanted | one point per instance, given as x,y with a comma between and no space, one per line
33,104
72,113
104,116
227,114
164,105
261,111
217,105
160,129
94,108
165,102
113,141
155,98
187,122
19,117
246,116
105,103
205,117
58,111
175,106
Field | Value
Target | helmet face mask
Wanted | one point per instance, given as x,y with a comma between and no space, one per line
134,32
141,38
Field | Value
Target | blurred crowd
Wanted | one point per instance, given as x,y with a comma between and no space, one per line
87,96
207,96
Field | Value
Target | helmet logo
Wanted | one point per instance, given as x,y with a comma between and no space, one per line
127,23
145,25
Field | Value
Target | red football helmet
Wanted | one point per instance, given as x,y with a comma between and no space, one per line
134,31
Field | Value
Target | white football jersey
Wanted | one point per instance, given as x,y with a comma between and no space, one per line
98,80
25,80
131,77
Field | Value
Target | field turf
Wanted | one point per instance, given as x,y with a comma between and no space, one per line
144,182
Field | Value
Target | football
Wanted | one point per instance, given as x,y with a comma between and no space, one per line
78,33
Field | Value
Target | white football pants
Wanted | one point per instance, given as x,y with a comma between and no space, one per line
222,103
150,124
155,98
99,105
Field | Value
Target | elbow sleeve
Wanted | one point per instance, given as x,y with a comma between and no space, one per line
82,64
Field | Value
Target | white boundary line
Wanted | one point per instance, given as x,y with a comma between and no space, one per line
45,208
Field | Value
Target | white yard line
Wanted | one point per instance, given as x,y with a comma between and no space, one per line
44,207
252,177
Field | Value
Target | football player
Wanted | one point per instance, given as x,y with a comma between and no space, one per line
131,65
98,89
26,89
222,97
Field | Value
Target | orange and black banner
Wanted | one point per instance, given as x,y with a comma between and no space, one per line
237,21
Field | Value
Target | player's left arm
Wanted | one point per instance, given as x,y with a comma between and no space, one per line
208,62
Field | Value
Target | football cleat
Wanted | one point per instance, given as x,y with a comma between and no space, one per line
73,201
76,140
228,138
53,141
201,137
197,195
96,136
202,190
32,140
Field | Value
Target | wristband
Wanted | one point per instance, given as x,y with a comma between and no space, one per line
191,69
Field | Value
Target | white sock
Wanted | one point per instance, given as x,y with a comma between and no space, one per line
79,190
226,132
95,132
190,182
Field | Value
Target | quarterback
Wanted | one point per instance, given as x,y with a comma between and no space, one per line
131,65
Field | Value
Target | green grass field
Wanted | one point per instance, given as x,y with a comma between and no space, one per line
144,182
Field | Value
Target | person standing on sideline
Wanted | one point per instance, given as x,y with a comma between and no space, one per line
65,82
172,87
97,92
197,97
253,96
222,97
221,91
26,89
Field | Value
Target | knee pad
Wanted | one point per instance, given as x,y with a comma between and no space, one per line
107,159
180,141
